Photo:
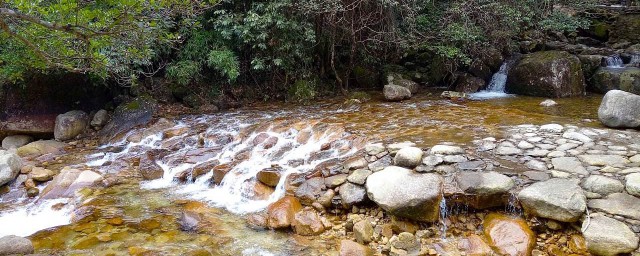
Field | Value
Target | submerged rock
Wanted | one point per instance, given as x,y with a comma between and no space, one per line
558,199
10,165
508,235
607,236
70,124
547,74
15,245
619,109
68,182
405,193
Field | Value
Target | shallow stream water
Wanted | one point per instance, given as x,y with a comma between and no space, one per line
143,217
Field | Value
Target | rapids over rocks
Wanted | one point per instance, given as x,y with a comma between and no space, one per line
186,185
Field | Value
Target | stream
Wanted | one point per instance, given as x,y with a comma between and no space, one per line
147,217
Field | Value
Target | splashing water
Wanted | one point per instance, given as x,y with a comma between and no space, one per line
295,147
35,216
497,85
614,61
443,218
513,205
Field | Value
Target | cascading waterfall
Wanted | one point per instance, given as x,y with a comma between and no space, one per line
444,214
614,61
497,85
249,148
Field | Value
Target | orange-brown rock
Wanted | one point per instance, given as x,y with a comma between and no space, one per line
219,172
281,213
508,235
269,176
307,223
197,171
174,132
351,248
261,191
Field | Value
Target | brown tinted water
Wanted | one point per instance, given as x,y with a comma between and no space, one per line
128,220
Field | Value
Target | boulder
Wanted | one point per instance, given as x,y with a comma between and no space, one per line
405,193
10,165
409,157
398,79
619,109
128,115
310,190
149,169
70,124
625,79
269,176
352,194
16,141
469,84
307,223
619,204
608,237
41,147
15,245
632,184
484,189
547,74
602,185
351,248
558,199
394,92
99,119
281,213
508,235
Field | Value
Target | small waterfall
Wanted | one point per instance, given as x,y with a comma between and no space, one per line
614,61
498,83
444,214
244,148
513,205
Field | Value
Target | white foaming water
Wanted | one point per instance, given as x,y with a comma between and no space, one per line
33,217
236,191
614,61
497,86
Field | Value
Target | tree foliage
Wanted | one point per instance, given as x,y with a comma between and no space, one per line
110,38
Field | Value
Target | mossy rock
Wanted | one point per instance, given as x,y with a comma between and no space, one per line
547,74
625,79
626,28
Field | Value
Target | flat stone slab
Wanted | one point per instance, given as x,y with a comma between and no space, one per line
621,204
569,164
604,160
558,199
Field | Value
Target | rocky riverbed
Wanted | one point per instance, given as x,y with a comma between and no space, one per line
421,177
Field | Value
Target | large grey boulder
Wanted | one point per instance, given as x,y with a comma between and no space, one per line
10,165
394,92
398,79
128,115
15,245
607,236
16,141
558,199
100,119
70,124
405,193
619,109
